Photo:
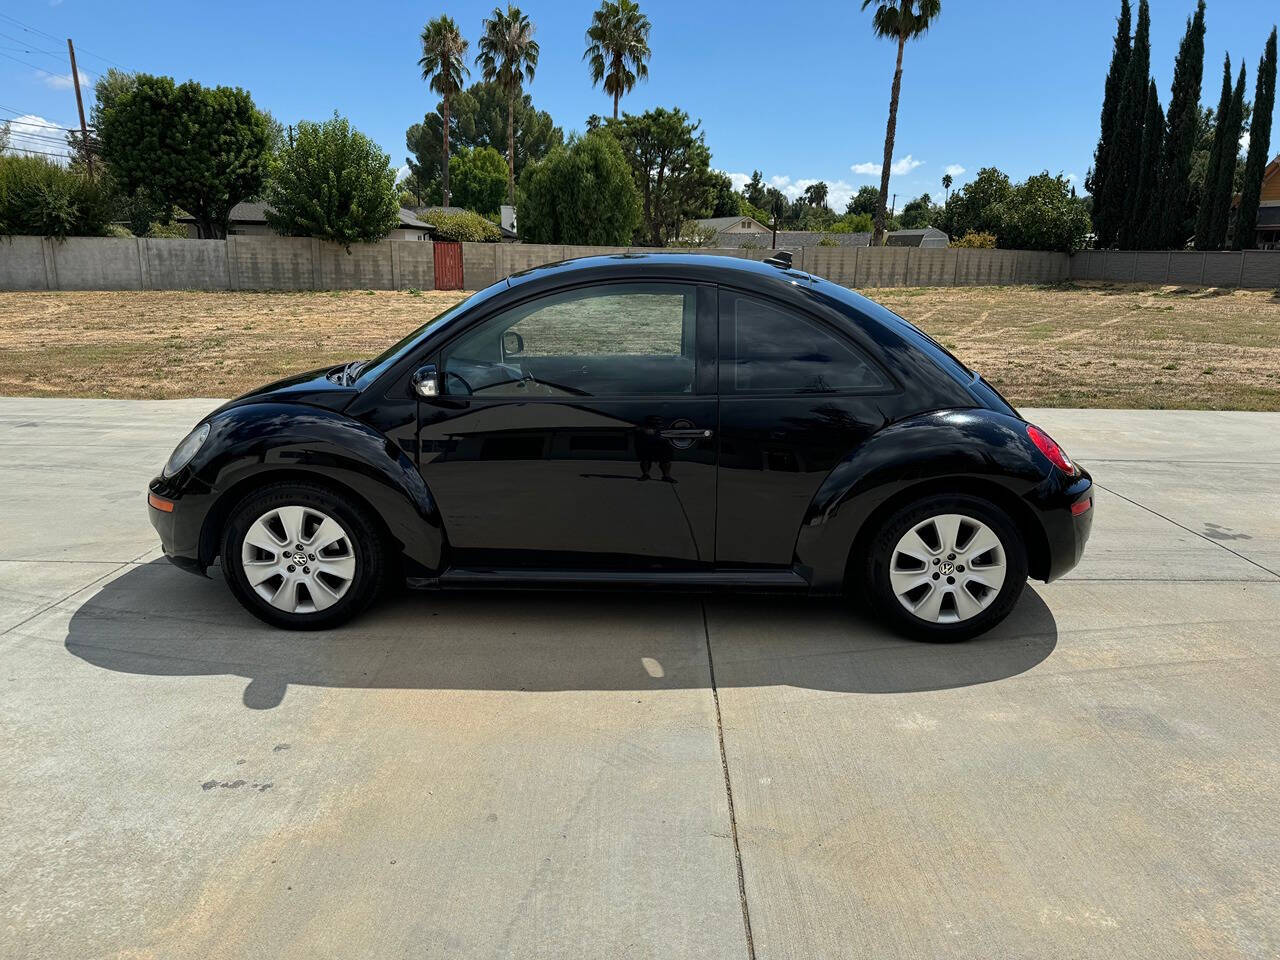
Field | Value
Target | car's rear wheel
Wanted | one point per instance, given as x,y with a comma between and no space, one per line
300,557
946,568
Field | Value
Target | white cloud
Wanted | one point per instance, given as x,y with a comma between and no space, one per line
1073,178
900,168
402,172
1244,142
954,170
32,132
63,81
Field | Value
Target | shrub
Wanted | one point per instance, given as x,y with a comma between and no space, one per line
119,231
170,230
828,241
464,225
980,241
581,193
41,198
333,182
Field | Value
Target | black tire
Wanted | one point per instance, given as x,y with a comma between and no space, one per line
876,566
366,541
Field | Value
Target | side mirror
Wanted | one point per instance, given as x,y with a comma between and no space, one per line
512,344
425,383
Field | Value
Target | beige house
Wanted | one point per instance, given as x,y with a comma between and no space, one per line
1269,208
735,226
250,220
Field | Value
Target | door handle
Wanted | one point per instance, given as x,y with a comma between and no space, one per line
694,433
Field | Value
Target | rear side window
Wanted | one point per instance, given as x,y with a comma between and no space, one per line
765,348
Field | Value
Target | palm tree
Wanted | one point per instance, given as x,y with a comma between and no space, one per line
618,47
509,55
946,186
899,20
443,50
816,194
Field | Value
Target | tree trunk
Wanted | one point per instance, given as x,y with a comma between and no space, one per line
511,149
889,133
444,173
615,104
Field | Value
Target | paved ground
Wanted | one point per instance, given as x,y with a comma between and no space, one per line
542,776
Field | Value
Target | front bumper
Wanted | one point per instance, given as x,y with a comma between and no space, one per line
1067,524
179,527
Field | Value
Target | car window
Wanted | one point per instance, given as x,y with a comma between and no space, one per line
611,339
769,349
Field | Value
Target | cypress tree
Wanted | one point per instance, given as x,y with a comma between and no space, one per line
1098,177
1126,149
1208,194
1176,219
1144,216
1264,102
1227,172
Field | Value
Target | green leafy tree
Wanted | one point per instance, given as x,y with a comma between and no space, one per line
866,200
1141,205
1264,102
4,137
853,223
975,241
202,149
1215,201
479,179
725,201
920,212
333,182
583,193
972,208
900,21
508,57
41,198
671,165
618,48
1175,211
1041,214
755,192
1098,181
478,118
444,51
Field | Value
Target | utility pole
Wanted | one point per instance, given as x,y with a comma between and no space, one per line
84,129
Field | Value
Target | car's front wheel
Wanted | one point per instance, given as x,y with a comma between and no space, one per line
300,557
947,568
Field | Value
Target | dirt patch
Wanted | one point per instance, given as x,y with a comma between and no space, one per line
1088,346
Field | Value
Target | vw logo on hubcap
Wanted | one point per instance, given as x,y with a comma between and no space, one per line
946,568
300,559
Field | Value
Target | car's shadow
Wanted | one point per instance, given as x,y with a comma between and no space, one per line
158,621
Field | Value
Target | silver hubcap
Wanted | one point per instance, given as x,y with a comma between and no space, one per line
298,559
947,568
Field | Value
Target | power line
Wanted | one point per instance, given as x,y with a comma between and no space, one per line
42,153
18,114
57,76
27,48
50,36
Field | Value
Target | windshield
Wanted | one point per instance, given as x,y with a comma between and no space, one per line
380,364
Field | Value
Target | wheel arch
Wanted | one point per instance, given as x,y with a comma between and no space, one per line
1031,530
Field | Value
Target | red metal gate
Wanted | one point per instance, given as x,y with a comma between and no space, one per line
448,265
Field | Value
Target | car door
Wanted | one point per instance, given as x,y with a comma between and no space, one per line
797,395
577,430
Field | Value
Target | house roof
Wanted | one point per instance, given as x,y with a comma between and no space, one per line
719,224
253,211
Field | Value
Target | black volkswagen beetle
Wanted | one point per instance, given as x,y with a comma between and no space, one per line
658,420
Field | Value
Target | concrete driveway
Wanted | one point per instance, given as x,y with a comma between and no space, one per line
619,776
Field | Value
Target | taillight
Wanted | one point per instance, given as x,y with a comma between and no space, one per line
1046,445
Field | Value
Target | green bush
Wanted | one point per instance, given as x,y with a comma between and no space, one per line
976,241
464,225
168,231
118,231
581,193
41,198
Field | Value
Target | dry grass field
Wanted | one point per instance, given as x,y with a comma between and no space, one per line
1086,346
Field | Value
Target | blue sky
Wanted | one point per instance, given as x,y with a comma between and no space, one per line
797,90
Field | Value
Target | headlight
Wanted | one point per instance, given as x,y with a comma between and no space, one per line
184,451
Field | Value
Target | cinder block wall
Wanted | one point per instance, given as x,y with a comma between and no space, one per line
301,263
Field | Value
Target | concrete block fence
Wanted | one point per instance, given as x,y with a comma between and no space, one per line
301,263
